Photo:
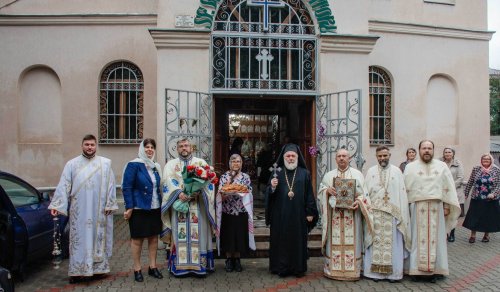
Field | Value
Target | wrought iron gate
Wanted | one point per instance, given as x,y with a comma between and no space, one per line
188,115
338,118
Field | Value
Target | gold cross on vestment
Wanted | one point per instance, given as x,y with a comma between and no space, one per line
386,197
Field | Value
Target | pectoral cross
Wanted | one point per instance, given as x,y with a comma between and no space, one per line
386,197
274,169
264,57
266,5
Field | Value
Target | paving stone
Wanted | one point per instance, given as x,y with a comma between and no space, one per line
473,267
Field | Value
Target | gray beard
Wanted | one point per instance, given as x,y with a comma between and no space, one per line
382,164
291,166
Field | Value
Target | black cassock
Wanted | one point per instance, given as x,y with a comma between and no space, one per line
288,223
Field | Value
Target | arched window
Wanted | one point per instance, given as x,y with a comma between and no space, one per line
264,46
121,103
380,88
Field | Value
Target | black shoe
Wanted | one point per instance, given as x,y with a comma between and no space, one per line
138,276
433,279
75,279
229,265
451,237
237,265
98,276
375,280
153,272
393,281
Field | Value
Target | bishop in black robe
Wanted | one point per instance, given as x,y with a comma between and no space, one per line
291,212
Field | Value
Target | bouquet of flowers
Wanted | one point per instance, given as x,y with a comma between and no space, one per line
195,179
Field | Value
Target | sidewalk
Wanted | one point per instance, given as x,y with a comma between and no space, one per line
473,267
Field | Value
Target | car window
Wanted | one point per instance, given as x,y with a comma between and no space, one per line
18,193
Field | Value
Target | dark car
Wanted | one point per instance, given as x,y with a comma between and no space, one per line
26,226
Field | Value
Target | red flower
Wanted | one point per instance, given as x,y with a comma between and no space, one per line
211,175
199,171
190,168
207,167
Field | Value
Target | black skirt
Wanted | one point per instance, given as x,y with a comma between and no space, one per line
234,233
483,216
145,223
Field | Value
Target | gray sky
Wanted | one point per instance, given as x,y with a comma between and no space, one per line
494,25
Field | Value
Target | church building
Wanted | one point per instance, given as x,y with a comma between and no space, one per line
324,74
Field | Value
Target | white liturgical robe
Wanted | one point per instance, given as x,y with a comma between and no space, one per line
87,188
430,188
390,243
342,237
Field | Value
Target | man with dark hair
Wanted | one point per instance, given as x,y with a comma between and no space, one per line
434,210
291,212
390,242
88,183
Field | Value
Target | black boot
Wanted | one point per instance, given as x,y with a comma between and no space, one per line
462,212
229,265
451,237
237,265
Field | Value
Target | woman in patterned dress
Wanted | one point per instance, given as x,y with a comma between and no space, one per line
484,211
235,216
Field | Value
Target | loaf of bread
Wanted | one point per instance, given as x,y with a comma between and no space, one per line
234,188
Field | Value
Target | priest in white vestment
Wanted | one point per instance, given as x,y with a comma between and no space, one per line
343,228
87,191
189,234
390,243
434,211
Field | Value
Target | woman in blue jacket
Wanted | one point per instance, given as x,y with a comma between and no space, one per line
142,195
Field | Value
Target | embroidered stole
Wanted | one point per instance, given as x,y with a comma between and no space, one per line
383,228
86,173
427,225
343,262
382,242
343,244
188,238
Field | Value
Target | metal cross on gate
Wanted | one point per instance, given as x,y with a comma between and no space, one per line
266,4
265,58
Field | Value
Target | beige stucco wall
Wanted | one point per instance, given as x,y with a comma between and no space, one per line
463,14
416,41
182,68
55,7
77,54
412,59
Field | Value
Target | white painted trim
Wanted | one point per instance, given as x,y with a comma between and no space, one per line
78,19
181,39
376,26
347,43
447,2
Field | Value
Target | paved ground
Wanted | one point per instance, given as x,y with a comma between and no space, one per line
473,267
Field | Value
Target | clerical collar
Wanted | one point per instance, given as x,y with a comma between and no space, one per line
343,172
88,157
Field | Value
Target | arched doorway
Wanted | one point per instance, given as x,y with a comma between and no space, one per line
263,70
